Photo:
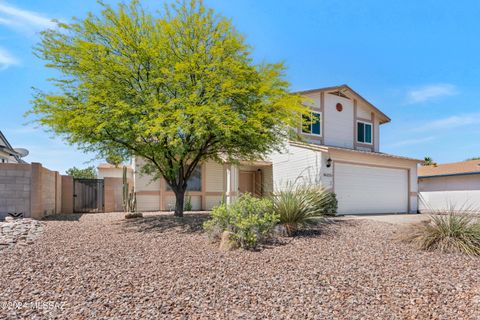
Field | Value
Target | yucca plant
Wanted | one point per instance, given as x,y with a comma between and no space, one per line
301,206
449,231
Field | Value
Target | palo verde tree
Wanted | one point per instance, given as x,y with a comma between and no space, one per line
175,88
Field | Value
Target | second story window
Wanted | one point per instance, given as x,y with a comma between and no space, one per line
364,132
312,124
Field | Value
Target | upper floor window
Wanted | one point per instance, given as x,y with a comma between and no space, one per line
364,132
312,124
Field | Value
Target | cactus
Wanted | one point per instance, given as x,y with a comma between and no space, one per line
129,198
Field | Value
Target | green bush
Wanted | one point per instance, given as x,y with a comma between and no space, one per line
454,232
302,205
187,206
249,219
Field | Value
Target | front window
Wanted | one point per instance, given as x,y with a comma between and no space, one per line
312,124
364,132
195,181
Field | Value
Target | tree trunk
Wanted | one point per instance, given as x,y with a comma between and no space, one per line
179,200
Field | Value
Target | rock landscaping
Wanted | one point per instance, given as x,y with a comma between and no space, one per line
19,232
102,266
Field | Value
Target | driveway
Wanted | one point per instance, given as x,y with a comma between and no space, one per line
398,219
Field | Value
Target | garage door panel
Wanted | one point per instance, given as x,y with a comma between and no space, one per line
368,189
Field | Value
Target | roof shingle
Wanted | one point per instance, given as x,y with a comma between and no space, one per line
464,167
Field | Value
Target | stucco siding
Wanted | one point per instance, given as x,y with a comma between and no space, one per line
148,202
338,129
214,177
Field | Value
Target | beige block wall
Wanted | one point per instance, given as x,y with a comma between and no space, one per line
67,194
15,180
29,189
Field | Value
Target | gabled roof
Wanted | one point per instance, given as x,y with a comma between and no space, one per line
324,148
383,117
450,169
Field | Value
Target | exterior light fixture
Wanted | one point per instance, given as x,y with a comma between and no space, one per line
329,162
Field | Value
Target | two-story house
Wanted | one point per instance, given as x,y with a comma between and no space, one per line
339,151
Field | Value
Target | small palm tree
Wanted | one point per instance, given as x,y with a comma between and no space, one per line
427,161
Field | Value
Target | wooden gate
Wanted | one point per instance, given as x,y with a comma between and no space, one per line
88,196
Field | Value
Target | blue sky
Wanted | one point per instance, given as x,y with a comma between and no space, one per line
418,61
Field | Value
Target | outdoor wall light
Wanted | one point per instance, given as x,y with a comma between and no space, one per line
329,162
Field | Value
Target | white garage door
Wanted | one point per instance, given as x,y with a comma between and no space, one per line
365,189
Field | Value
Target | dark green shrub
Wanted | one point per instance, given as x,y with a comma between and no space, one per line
249,219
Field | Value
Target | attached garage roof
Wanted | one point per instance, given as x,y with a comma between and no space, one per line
327,148
450,169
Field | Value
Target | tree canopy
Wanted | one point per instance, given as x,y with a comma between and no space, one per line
86,173
176,89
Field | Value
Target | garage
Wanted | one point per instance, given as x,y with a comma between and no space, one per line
365,189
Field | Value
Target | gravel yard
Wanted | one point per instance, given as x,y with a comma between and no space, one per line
101,266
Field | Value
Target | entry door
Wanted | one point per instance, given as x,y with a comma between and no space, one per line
246,182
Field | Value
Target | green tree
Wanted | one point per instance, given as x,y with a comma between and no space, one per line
175,89
86,173
427,161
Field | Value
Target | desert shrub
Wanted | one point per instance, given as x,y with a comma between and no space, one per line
454,232
187,206
302,205
250,221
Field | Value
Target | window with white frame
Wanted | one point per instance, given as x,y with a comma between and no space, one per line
364,132
312,124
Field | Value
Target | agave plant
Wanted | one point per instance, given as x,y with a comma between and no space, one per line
301,206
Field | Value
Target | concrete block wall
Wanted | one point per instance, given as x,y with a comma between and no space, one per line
29,189
15,186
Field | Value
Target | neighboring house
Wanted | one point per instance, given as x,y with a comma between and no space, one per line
451,185
107,170
340,152
7,153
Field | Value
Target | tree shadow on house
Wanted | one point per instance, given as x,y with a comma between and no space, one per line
189,223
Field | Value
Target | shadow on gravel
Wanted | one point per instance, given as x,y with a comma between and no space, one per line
64,217
328,228
189,223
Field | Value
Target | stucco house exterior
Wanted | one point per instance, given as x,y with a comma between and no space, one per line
451,185
340,150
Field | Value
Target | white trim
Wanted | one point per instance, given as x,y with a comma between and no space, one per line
371,133
319,122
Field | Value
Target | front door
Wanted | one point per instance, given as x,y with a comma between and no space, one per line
246,182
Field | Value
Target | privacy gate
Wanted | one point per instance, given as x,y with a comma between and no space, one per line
88,195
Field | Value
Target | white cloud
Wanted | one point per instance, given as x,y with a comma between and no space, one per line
6,59
451,122
430,92
23,20
410,142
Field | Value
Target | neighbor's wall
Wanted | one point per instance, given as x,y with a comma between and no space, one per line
67,195
15,184
443,193
29,189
